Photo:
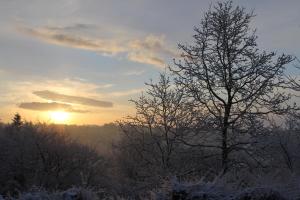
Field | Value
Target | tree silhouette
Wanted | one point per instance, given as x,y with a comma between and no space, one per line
227,75
162,116
17,121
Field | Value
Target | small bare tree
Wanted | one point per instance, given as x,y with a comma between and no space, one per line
228,75
154,132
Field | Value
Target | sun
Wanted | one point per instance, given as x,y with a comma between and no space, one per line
59,116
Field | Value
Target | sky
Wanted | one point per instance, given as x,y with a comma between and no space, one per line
89,57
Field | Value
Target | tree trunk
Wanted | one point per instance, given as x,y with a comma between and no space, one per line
224,151
225,139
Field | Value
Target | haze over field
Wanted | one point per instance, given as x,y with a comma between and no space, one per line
79,62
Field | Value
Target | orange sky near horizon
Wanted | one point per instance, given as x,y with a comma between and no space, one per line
65,117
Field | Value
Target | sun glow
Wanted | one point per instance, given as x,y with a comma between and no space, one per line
59,116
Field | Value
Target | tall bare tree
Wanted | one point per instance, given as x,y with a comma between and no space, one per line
225,72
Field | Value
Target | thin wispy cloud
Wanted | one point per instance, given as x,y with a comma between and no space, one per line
145,51
54,96
152,43
53,106
105,86
150,50
144,58
73,27
134,72
127,92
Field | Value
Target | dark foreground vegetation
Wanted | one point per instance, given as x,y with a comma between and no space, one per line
222,123
40,161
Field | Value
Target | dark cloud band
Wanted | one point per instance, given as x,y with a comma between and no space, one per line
53,96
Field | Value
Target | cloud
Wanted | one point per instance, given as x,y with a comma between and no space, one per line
151,49
127,92
148,49
134,72
40,106
105,86
55,36
73,27
152,43
53,96
144,58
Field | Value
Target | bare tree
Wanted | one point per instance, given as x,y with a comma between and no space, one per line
228,75
162,115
